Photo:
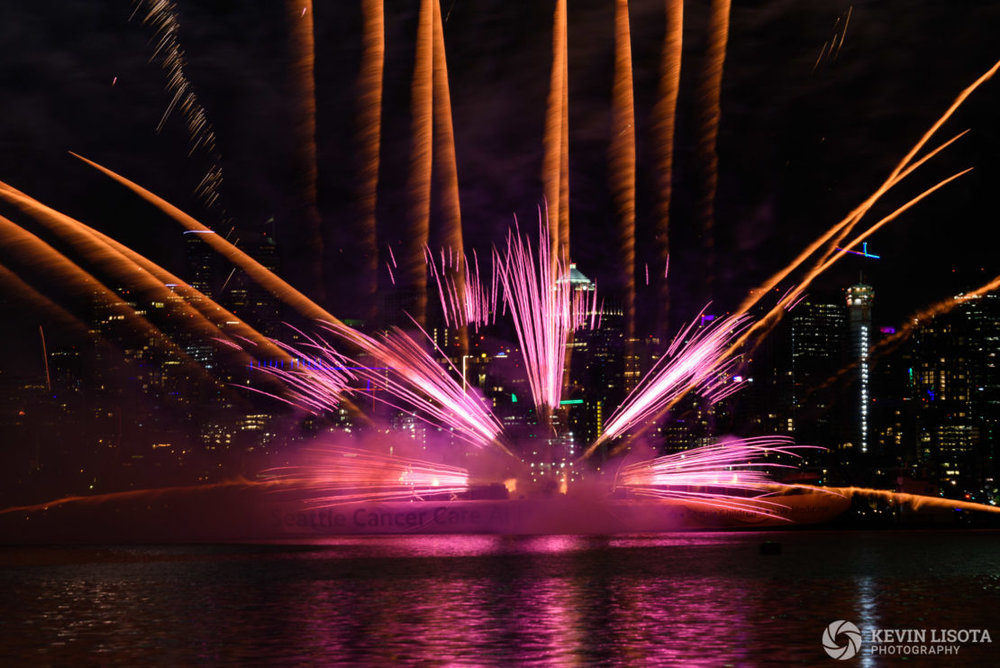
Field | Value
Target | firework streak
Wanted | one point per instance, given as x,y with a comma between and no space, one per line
623,162
729,475
698,364
404,371
665,119
310,246
339,475
162,16
711,96
370,104
444,154
545,311
471,302
555,169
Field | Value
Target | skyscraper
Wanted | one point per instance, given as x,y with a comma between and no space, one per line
199,261
956,385
859,320
818,329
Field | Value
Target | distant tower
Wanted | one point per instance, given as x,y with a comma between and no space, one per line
859,319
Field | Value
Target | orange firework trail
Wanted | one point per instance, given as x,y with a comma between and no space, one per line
737,339
710,95
131,268
665,115
37,300
444,139
255,270
916,501
834,236
421,161
623,161
372,69
162,16
902,169
564,154
310,246
846,226
938,309
43,258
555,168
770,320
141,493
942,307
831,48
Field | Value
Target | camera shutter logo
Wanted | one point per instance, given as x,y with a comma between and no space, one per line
842,639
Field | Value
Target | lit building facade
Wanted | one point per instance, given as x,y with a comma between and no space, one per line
859,317
956,387
818,331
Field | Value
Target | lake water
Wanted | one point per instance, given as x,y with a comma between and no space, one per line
683,599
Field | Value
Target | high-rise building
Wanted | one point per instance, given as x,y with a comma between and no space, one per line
956,385
860,339
983,315
199,261
248,299
199,265
818,330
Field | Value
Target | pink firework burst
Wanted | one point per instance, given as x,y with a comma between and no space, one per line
316,380
545,308
475,302
418,382
337,475
731,475
697,363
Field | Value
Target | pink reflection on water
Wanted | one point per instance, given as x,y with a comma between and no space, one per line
555,604
683,622
670,599
445,545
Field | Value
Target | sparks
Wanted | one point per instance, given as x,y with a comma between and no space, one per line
540,295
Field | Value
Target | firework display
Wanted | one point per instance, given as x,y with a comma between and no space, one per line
432,439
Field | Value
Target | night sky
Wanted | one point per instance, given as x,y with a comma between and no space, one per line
800,143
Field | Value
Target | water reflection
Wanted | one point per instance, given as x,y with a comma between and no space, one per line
867,610
684,599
